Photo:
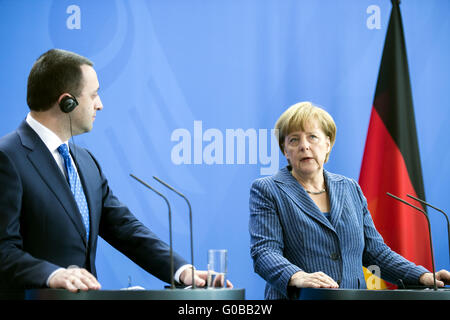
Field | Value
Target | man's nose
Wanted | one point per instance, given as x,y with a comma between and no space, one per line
99,104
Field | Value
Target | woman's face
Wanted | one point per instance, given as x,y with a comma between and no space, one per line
306,149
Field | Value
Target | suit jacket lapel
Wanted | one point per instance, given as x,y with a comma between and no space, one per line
298,195
336,190
45,165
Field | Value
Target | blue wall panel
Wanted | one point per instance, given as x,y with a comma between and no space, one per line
179,78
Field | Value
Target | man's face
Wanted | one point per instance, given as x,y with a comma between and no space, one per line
88,102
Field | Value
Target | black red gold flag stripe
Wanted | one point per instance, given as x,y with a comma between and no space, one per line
391,161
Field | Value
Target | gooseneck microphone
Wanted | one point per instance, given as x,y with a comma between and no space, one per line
429,233
172,281
190,223
441,211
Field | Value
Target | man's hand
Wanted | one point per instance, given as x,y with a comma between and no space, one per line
200,278
74,279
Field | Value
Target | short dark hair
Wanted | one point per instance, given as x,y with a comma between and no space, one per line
54,73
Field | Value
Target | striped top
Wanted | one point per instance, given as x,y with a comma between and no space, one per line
289,233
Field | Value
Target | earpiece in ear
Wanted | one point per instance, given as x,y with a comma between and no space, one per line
68,103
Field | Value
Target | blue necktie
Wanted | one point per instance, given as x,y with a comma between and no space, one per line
75,186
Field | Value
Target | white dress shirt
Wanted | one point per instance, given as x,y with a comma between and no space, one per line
50,139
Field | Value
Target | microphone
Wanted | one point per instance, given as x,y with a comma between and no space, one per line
429,233
172,281
441,211
190,223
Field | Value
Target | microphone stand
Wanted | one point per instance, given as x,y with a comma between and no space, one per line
441,211
429,233
172,281
190,223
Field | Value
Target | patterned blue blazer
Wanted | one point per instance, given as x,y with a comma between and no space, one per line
289,233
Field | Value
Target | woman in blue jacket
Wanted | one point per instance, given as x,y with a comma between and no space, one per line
312,228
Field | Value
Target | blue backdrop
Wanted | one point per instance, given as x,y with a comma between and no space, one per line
191,90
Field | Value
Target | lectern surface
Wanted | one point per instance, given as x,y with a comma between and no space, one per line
349,294
168,294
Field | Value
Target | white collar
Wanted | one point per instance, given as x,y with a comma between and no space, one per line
51,140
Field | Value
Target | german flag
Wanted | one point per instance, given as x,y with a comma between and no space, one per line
391,161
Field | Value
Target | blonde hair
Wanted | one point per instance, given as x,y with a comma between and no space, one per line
298,115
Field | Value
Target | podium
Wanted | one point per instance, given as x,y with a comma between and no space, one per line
358,294
168,294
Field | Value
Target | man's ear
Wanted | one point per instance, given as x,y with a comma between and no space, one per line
62,96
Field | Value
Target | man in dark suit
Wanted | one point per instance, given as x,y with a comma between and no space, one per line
55,202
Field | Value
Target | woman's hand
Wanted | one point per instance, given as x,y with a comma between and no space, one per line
442,278
303,279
